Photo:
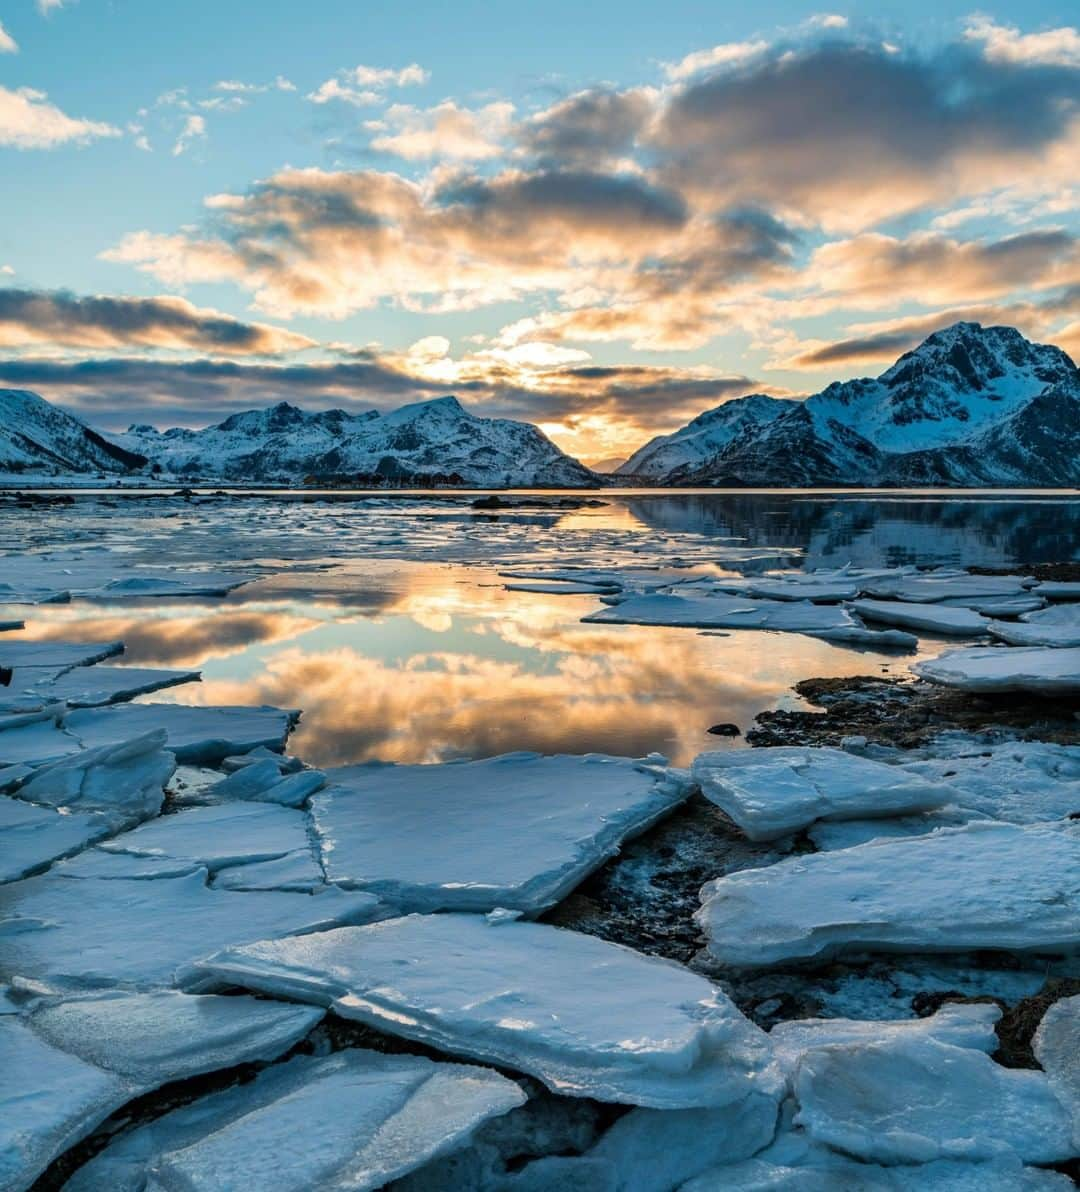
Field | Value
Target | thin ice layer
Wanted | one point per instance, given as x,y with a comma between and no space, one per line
517,831
219,836
931,618
136,932
32,837
1058,625
772,792
347,1122
986,885
124,781
588,1018
1042,670
917,1100
196,735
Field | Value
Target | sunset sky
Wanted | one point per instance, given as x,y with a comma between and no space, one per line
603,217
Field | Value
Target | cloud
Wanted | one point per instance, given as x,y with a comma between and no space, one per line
57,318
1005,43
7,270
47,6
847,134
29,121
194,129
445,131
878,270
331,243
731,53
364,85
8,44
595,125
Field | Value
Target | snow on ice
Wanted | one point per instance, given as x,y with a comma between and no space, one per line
1042,670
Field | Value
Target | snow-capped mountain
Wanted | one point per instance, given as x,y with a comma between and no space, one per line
970,406
38,439
427,440
704,438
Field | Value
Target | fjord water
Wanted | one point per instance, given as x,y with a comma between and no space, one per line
389,625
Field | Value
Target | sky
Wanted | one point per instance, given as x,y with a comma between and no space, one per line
603,218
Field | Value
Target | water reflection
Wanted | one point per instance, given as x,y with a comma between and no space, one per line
452,665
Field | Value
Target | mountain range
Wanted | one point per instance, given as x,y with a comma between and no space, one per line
971,406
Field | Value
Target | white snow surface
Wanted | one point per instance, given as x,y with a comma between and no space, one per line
518,831
347,1122
1039,669
124,781
32,837
195,734
93,932
986,885
909,1100
772,792
1057,1048
1058,625
932,618
68,1066
220,836
588,1018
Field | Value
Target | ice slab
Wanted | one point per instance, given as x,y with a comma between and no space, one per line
835,834
555,588
986,885
917,1100
125,781
655,1150
804,587
772,792
35,738
1058,625
1042,670
934,586
122,932
56,654
1001,606
150,1039
262,781
294,871
1058,589
284,763
517,831
794,1163
1021,782
930,618
48,1101
731,612
195,734
958,1024
144,585
588,1018
33,837
219,836
347,1122
95,686
1057,1048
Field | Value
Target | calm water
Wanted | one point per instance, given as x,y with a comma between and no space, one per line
412,658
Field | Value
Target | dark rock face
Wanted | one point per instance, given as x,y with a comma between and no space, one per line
970,407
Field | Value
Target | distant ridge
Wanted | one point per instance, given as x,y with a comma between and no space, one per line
971,406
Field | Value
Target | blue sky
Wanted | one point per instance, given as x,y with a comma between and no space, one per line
603,217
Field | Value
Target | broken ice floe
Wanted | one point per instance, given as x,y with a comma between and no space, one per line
68,1066
987,885
262,781
1058,625
1057,1048
516,831
56,654
907,1100
71,932
194,734
772,792
348,1122
929,618
33,837
588,1018
90,686
1042,670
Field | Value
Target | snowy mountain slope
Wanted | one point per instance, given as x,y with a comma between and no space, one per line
709,433
35,437
970,406
426,439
